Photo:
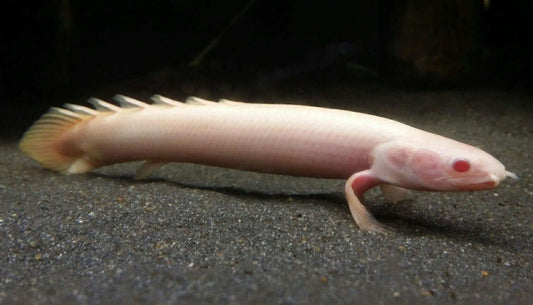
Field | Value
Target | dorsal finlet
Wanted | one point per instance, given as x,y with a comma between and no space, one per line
198,101
229,102
103,106
81,109
128,102
64,112
161,100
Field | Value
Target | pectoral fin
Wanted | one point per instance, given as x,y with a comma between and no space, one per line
355,188
393,193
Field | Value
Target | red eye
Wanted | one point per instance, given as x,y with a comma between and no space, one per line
461,165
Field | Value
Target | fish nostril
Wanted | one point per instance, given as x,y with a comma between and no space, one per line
511,174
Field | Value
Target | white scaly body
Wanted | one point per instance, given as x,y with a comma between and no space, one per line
283,139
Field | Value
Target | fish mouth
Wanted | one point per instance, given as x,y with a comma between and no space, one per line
479,182
484,182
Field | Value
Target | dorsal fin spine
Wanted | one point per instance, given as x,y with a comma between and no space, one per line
128,102
81,109
198,101
161,100
103,106
229,102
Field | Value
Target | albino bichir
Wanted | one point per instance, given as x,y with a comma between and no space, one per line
366,150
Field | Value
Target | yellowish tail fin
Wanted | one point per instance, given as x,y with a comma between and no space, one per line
40,141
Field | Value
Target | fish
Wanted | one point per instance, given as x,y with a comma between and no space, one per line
364,149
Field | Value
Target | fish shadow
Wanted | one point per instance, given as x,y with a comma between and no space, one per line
394,215
467,230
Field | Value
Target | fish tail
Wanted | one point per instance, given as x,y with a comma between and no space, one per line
43,141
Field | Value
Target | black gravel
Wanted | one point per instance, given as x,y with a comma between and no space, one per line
196,235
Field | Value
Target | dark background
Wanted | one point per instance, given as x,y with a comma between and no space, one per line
59,50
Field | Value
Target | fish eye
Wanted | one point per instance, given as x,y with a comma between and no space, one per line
461,165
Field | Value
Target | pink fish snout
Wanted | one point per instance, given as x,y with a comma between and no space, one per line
481,180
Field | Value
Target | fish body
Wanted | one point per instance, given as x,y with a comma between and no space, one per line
366,150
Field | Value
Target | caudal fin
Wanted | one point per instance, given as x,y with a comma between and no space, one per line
40,141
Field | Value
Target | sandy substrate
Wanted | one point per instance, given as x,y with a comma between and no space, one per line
194,235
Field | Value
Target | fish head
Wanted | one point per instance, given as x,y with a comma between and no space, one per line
437,164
